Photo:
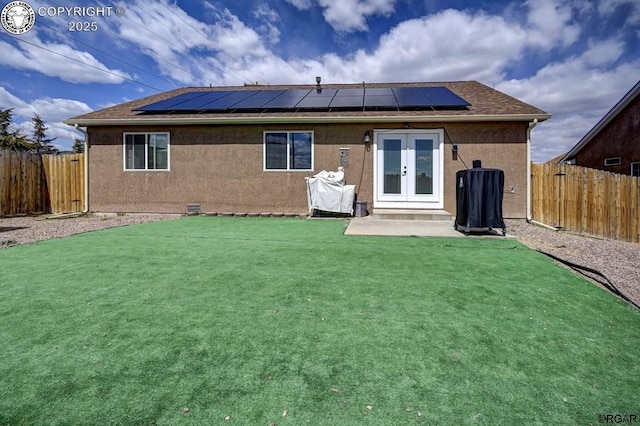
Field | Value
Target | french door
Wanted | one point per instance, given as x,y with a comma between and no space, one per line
408,169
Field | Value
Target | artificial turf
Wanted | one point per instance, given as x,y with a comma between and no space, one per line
284,321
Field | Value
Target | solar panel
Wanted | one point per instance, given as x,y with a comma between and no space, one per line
346,102
317,99
377,91
198,102
443,97
348,98
258,100
167,103
351,92
379,98
287,100
411,97
230,99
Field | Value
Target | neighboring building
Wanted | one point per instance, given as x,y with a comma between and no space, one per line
248,149
557,159
614,143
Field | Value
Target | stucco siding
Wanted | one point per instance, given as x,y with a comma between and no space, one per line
221,167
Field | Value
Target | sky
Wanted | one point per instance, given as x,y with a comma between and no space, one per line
575,59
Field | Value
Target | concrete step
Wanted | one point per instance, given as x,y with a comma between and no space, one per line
412,214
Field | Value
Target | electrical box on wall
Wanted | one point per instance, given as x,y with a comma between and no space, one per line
344,156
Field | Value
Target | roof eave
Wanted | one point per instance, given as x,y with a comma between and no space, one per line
604,121
89,122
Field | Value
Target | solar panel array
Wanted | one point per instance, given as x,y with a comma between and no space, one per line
397,98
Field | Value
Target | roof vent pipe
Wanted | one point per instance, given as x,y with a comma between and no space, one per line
318,79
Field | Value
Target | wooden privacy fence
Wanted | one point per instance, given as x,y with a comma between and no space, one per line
22,188
64,175
586,201
33,184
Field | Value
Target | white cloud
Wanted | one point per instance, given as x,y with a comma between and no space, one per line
52,110
447,46
603,52
350,15
8,100
270,20
609,7
193,52
237,40
57,109
41,59
301,4
577,94
551,24
451,45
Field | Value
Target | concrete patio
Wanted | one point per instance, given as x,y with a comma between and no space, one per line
411,223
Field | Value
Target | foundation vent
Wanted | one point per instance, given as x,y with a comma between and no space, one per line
193,208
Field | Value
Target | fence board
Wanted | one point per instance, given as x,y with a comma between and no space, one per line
586,201
31,183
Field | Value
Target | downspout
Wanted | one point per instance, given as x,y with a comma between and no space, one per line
86,168
533,124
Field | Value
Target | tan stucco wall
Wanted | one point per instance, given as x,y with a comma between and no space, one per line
221,167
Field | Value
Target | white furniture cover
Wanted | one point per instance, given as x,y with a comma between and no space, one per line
326,191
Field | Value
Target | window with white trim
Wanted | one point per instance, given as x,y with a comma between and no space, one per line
146,151
612,161
635,169
288,150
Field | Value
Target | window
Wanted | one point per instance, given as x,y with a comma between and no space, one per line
635,169
288,150
612,161
146,151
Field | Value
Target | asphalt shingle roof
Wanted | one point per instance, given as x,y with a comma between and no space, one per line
485,102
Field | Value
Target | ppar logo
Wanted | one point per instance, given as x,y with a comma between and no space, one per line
18,17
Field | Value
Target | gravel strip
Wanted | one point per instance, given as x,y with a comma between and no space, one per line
618,260
29,229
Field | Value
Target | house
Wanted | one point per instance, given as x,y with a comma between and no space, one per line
248,149
614,142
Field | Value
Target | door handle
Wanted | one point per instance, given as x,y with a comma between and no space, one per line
404,171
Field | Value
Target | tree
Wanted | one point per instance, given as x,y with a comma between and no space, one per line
78,146
11,139
41,144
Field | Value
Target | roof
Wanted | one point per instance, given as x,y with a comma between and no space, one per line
557,159
487,104
613,113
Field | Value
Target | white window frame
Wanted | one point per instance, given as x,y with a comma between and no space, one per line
288,169
146,152
612,161
637,164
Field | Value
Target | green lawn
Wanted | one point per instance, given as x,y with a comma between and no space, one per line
249,317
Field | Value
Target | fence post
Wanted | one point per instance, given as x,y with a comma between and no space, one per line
561,201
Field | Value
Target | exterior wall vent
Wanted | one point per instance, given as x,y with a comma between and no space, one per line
612,161
193,208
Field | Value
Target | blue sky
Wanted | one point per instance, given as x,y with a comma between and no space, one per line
573,58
